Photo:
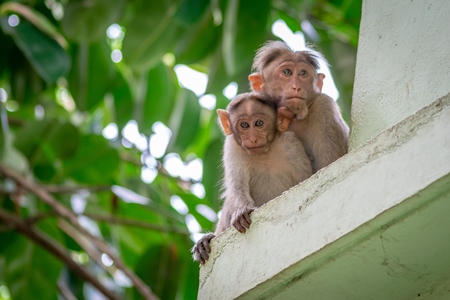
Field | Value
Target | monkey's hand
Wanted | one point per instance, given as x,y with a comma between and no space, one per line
241,218
202,248
297,106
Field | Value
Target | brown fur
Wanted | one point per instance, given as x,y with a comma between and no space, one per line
291,78
254,177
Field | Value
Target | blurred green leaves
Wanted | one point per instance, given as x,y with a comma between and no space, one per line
151,33
244,31
47,57
30,270
86,21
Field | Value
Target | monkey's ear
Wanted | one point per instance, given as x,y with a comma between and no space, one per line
256,81
224,118
284,118
319,84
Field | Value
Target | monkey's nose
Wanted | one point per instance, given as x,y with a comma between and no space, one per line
296,84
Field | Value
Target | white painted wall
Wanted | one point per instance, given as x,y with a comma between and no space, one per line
403,63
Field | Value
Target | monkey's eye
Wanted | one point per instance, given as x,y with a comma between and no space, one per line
259,123
303,73
286,72
244,125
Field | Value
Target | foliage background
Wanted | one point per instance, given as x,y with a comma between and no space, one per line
60,88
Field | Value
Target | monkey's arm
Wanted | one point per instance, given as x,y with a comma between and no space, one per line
238,201
330,131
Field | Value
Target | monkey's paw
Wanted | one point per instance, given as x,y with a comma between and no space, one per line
298,107
202,248
241,218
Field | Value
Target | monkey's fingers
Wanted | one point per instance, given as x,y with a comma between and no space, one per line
200,254
245,221
204,256
298,107
246,217
198,257
242,220
202,248
237,224
286,113
205,242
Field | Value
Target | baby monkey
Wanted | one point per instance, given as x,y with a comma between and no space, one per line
261,160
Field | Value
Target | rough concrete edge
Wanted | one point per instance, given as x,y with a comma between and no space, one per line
310,189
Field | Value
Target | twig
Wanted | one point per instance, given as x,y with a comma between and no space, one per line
114,220
131,159
55,248
83,242
66,213
143,224
65,291
61,189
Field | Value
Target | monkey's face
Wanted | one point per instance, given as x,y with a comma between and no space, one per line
254,127
291,77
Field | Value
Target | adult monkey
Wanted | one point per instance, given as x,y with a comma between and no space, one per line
261,160
291,77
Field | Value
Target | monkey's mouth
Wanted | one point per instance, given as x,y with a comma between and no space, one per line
257,150
296,98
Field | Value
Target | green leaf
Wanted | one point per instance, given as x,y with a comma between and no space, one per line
198,42
9,156
192,201
191,282
64,140
212,173
190,11
291,22
95,162
151,33
26,83
160,268
49,138
46,56
244,32
123,102
92,76
44,142
184,121
160,98
31,270
134,241
218,78
87,21
343,72
35,17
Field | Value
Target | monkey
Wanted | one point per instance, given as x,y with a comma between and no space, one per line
261,160
292,79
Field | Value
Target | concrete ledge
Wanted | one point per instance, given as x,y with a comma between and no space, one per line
320,231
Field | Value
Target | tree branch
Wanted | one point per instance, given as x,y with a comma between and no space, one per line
130,222
61,189
113,220
72,217
84,243
55,248
65,291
